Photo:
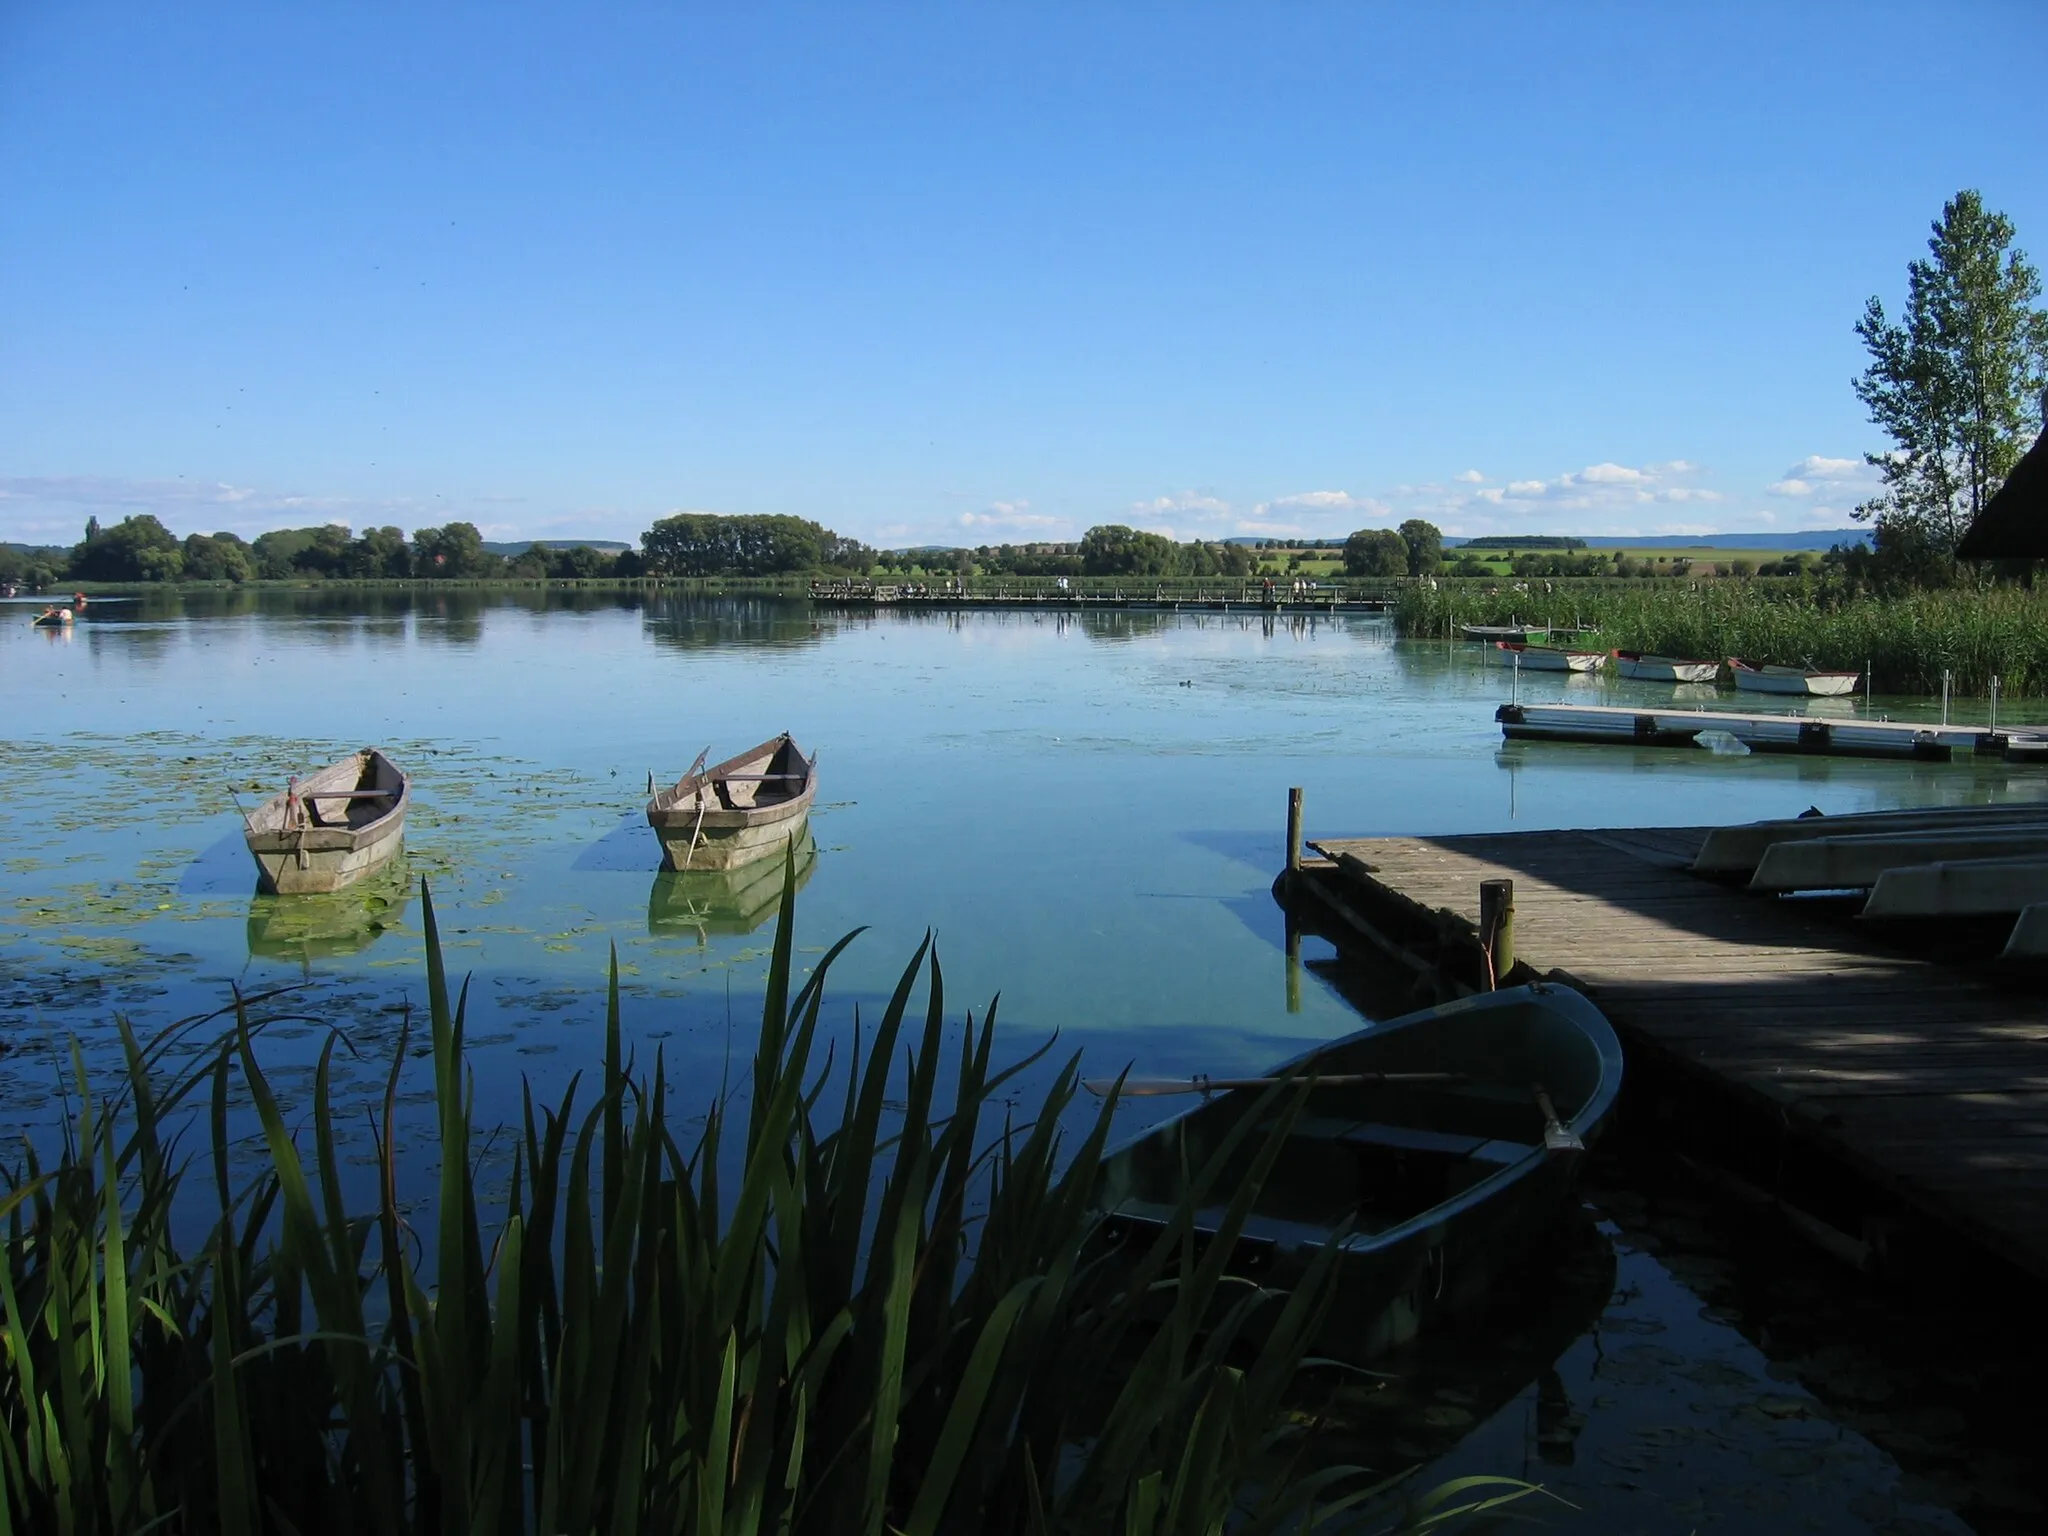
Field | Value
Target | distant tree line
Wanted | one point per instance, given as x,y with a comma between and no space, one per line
141,548
1525,541
1110,549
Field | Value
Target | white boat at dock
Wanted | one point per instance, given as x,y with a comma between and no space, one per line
1519,634
1547,658
1856,863
1758,677
329,830
1649,668
1959,888
1736,851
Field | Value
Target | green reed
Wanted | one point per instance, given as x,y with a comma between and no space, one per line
1905,641
885,1315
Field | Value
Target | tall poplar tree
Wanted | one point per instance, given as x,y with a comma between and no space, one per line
1956,384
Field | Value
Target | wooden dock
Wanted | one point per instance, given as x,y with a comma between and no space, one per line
1928,1077
1812,734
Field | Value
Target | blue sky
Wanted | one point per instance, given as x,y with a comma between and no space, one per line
973,273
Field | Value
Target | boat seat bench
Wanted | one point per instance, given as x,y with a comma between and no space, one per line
1405,1138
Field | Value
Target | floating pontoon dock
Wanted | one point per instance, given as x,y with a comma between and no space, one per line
1926,1077
1843,736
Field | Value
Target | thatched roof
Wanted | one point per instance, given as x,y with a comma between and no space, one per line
2014,523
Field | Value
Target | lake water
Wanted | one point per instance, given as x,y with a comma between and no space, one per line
1087,810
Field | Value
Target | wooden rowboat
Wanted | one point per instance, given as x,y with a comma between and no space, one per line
53,618
1548,658
744,809
1664,669
1755,677
1428,1189
329,830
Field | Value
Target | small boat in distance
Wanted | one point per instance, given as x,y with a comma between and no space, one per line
744,809
1756,677
1521,634
1664,669
53,618
1438,1149
1548,658
330,829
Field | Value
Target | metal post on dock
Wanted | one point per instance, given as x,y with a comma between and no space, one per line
1994,705
1946,678
1497,926
1294,830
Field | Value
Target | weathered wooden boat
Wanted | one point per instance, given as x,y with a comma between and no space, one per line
1429,1190
1757,677
329,830
700,902
744,809
1547,658
1521,634
1648,668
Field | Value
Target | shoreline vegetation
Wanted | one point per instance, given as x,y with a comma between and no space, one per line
1903,638
866,1303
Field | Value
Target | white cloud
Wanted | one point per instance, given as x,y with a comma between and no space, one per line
1185,502
1527,487
1610,474
1323,501
1818,475
997,517
1469,476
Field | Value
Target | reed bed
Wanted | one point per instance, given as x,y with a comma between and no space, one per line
863,1308
1905,641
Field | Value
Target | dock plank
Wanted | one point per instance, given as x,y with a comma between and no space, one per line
1931,1077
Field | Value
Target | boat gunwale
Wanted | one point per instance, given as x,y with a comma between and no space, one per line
678,800
1578,1009
317,837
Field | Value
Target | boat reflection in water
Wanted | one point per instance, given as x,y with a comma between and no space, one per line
1422,1399
702,902
345,922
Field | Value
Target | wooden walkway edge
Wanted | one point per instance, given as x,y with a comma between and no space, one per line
1929,1078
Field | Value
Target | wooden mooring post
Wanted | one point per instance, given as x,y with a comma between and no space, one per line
1293,830
1497,926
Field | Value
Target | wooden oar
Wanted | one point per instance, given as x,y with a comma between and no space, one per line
1202,1083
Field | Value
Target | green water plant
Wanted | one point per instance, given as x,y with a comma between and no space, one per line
859,1307
1906,640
